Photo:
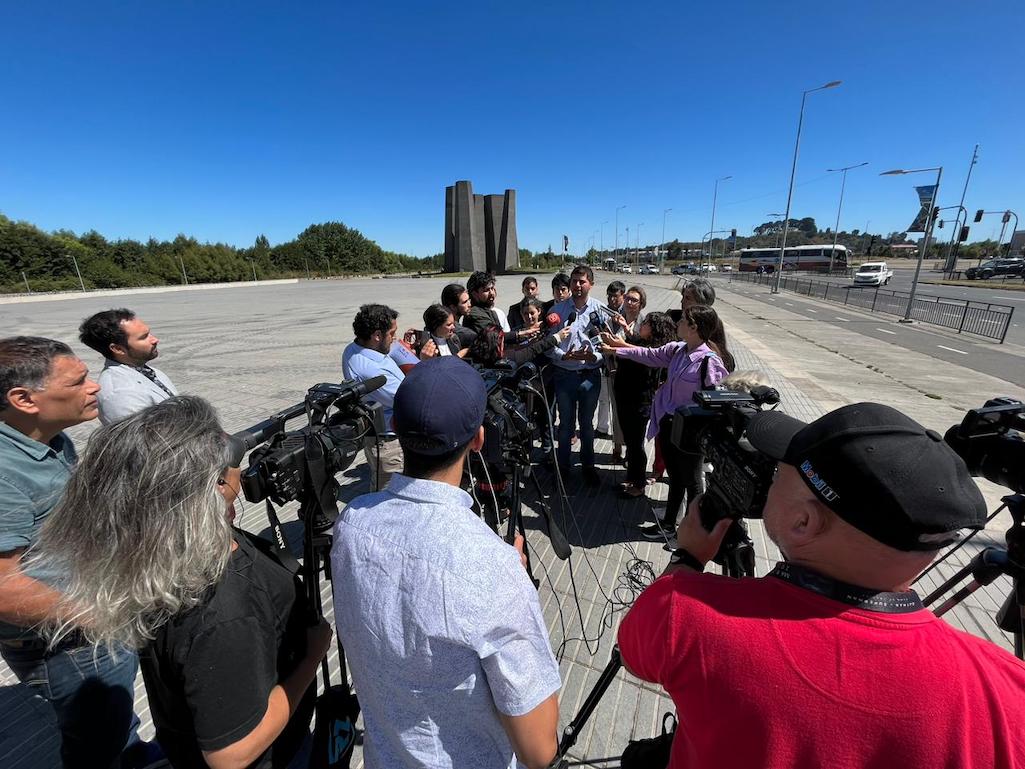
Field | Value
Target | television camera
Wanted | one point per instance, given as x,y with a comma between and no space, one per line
738,485
990,441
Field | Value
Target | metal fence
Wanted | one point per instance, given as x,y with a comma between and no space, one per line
980,318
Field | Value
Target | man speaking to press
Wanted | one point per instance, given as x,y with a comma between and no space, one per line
831,659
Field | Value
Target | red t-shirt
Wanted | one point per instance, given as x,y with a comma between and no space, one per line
769,675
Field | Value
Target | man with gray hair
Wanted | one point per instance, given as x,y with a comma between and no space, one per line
45,389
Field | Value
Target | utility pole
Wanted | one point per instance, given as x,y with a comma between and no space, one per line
951,260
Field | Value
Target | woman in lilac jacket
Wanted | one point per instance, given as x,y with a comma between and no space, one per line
685,361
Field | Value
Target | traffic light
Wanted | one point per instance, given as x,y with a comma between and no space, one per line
978,215
1006,217
963,235
935,213
939,224
733,233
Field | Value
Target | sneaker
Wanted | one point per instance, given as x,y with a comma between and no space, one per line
656,532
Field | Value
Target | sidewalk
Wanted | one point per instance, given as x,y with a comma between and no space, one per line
815,368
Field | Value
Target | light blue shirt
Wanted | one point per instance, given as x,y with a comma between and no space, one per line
124,390
441,627
578,337
362,363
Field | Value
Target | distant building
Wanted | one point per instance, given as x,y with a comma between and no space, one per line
480,230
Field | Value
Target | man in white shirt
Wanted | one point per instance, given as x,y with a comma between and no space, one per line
440,622
127,382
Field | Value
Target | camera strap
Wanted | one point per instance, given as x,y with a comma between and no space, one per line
282,553
852,595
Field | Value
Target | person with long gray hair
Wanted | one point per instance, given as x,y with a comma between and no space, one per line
144,537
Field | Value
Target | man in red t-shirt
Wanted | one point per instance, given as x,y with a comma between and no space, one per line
831,660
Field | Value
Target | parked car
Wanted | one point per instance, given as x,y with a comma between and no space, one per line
680,269
625,268
873,274
995,267
653,269
726,268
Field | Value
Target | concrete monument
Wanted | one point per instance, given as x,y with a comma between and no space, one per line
480,230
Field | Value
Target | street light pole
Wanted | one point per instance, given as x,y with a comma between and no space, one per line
715,196
928,231
793,172
602,236
616,252
77,271
780,218
658,253
950,260
836,229
637,251
626,251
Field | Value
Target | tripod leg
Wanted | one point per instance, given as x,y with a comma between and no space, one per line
570,733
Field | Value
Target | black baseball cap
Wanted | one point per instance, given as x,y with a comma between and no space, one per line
439,406
880,471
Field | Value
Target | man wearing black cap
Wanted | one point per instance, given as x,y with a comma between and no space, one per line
440,623
831,659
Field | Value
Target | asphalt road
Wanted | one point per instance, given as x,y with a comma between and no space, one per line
903,278
1005,361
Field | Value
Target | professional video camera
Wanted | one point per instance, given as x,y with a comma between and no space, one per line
989,440
508,429
301,464
508,437
739,482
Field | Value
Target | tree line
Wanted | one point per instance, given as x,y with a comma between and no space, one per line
47,261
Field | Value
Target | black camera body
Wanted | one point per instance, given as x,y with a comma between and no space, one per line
989,440
301,464
714,427
508,428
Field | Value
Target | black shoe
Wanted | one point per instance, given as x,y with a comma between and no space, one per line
591,477
657,532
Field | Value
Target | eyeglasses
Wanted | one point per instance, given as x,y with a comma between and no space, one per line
632,299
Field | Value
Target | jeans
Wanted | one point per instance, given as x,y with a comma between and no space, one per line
93,699
577,395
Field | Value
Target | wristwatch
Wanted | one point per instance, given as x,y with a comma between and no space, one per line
681,557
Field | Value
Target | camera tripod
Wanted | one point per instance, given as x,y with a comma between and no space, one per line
985,567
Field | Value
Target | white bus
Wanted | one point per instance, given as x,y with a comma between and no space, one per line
807,258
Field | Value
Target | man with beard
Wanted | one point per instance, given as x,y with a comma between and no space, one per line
127,382
455,297
483,313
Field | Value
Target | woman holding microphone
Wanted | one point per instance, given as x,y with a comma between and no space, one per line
693,364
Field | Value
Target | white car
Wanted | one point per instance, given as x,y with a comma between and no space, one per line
873,274
625,268
727,268
651,269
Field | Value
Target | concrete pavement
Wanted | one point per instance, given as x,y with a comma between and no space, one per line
253,350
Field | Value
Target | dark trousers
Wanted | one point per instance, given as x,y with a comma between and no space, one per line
633,422
577,392
686,479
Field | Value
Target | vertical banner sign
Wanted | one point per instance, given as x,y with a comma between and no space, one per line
565,243
925,197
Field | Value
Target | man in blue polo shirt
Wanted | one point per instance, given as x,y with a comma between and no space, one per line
45,389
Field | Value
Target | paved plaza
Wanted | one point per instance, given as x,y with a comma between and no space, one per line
253,350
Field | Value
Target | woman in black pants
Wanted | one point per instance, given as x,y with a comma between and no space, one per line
693,364
635,387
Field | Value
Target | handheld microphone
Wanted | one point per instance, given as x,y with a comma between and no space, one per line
571,318
552,320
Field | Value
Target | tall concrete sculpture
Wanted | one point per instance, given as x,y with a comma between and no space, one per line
480,230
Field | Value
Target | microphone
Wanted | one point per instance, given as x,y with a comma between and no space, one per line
571,318
552,320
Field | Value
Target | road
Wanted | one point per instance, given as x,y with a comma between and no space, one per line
903,277
1005,361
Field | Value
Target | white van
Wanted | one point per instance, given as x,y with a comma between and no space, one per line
873,274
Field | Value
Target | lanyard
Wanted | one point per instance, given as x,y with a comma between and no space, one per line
852,595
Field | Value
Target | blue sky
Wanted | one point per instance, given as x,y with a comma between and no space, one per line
227,120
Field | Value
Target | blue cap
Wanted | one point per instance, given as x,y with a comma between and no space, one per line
439,406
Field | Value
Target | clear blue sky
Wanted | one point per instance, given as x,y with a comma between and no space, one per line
227,120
